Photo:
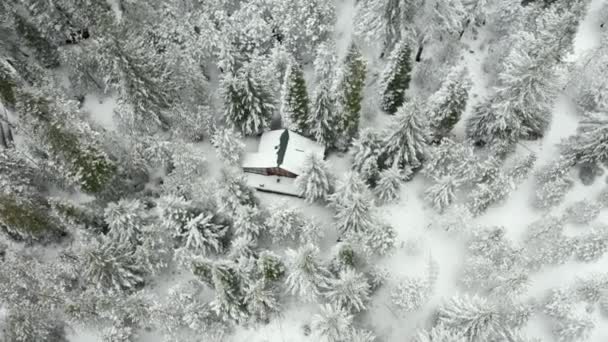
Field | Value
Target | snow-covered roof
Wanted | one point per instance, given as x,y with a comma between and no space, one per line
276,184
282,148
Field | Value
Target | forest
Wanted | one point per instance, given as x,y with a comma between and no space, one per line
462,195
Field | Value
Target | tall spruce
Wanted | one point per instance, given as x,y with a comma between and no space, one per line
406,139
396,78
295,105
248,104
351,82
448,103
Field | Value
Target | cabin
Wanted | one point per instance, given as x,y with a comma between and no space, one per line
279,160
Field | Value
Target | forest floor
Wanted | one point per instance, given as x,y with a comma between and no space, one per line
411,216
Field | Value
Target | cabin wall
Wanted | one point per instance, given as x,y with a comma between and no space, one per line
261,171
277,171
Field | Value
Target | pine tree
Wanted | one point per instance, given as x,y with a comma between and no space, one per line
331,324
228,145
388,188
442,193
552,183
410,294
306,276
356,215
406,140
322,121
224,278
573,328
349,291
351,82
396,78
247,103
492,124
201,235
261,300
439,334
112,266
295,105
582,212
589,145
367,155
472,317
125,220
592,245
25,218
449,102
350,185
248,222
285,224
315,182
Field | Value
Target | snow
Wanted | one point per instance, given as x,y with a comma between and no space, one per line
295,153
101,110
283,185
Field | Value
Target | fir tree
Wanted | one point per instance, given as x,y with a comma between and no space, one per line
489,125
247,103
351,82
295,105
449,102
125,220
442,193
331,324
367,155
285,224
406,140
261,300
356,215
28,219
411,294
315,182
228,145
112,266
349,291
472,317
347,188
248,222
307,276
201,235
322,121
396,78
582,212
589,145
388,188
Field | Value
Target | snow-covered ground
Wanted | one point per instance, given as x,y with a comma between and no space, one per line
411,216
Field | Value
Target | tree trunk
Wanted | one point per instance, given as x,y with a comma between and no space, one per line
3,141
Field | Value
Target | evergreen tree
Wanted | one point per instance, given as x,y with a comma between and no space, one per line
367,155
261,300
28,219
285,224
323,118
442,193
388,188
307,276
248,222
592,245
406,140
315,182
125,220
349,291
201,234
331,324
295,105
490,125
449,102
411,294
247,103
589,145
472,317
228,145
224,278
112,266
396,78
351,81
350,185
552,183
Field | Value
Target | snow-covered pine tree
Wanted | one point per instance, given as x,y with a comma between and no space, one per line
474,318
582,212
349,291
111,266
285,224
439,334
315,182
592,245
295,105
573,328
406,138
307,276
396,78
545,244
449,102
323,119
228,145
490,125
389,184
248,222
227,282
411,294
589,145
350,185
356,215
366,153
201,234
332,324
261,300
248,104
28,218
552,182
125,220
350,84
442,194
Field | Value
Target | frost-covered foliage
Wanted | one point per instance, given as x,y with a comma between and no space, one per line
449,102
582,212
552,184
389,184
285,224
472,317
331,324
315,182
545,243
367,155
351,81
406,140
396,78
411,294
592,245
295,105
442,193
228,145
350,290
307,276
